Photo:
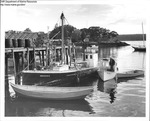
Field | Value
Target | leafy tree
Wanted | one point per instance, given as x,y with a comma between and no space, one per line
84,33
97,34
69,32
27,30
76,35
68,29
40,39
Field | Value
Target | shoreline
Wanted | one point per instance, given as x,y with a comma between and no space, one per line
108,44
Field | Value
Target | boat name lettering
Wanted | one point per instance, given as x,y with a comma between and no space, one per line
44,75
71,74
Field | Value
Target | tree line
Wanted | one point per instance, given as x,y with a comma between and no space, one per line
92,34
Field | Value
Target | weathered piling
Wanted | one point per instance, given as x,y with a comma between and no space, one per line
34,58
17,61
40,57
43,58
6,69
23,63
74,52
31,60
28,58
7,94
46,57
14,63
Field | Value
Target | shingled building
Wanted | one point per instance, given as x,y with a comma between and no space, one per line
24,39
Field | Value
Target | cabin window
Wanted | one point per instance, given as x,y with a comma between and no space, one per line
90,56
86,56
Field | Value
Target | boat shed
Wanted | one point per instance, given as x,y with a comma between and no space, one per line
15,39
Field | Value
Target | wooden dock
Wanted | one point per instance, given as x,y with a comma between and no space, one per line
18,56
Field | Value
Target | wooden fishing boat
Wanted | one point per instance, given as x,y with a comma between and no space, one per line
47,77
106,70
64,71
131,74
52,93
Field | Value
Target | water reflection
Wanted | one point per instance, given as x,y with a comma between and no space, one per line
108,87
34,107
106,52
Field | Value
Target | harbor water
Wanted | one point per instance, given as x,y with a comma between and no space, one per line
121,98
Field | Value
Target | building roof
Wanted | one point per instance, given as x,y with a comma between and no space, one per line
21,35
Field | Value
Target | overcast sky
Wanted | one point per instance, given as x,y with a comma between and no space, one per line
123,18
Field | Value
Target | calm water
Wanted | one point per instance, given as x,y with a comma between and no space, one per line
124,98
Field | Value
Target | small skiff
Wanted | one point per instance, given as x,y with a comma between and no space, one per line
52,93
107,70
130,74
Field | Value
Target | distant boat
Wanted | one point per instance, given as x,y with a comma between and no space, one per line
107,70
130,74
52,93
141,48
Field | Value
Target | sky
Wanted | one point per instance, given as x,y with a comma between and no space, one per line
124,18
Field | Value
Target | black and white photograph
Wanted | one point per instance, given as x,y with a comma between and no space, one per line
84,60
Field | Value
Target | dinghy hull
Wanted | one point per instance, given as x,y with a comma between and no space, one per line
52,93
130,74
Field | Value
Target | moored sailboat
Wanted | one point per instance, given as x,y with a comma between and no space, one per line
142,47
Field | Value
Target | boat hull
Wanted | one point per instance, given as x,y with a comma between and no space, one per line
32,77
52,93
106,75
142,49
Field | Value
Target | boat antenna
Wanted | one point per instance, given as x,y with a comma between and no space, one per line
143,33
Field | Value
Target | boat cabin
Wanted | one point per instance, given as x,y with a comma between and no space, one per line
92,59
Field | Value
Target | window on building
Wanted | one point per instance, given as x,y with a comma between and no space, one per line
90,56
86,56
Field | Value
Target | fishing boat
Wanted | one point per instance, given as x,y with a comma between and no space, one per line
107,69
52,93
141,48
131,74
61,72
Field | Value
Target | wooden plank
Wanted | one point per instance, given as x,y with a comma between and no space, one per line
21,49
7,50
14,63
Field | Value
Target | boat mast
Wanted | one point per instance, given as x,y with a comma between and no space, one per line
62,37
143,33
